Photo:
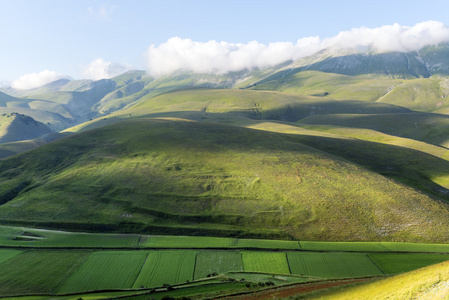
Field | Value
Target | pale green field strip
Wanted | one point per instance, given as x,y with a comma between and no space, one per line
159,241
266,262
166,267
394,263
332,265
30,237
414,247
38,271
34,238
266,244
106,270
220,262
374,247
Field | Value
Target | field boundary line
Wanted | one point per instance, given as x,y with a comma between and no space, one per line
194,266
288,263
369,257
141,268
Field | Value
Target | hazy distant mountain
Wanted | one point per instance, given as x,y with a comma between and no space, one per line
65,103
16,127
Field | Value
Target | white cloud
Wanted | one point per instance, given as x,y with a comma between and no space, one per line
100,69
103,13
223,57
34,80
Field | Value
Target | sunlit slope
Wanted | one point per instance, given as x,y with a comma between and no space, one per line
427,283
417,164
421,94
238,107
429,128
187,177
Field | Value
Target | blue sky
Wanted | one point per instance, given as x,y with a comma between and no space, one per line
66,36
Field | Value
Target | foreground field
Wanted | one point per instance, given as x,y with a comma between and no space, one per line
427,283
186,266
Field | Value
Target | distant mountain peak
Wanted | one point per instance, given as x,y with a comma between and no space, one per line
16,127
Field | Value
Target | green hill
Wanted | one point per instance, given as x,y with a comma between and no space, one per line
238,107
184,177
417,167
429,128
16,127
426,283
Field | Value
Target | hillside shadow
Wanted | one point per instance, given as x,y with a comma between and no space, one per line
411,167
136,137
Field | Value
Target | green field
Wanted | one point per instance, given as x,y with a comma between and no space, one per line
265,262
166,267
6,254
106,270
332,264
392,263
184,242
59,270
218,262
268,244
344,246
40,271
425,283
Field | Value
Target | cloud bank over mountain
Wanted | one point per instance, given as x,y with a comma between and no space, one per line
222,57
34,80
100,69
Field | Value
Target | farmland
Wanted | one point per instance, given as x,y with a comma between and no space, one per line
106,270
45,262
332,264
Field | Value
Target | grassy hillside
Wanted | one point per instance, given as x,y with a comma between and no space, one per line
420,94
429,128
16,127
427,283
238,107
189,177
411,162
250,108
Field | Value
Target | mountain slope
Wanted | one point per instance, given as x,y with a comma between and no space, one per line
205,178
425,283
238,107
16,127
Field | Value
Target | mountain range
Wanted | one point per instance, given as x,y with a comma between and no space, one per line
341,145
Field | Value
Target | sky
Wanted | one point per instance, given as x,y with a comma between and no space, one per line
42,40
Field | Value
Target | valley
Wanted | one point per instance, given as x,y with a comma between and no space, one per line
330,168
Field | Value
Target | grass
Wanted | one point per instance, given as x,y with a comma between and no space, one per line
166,267
30,237
392,263
59,271
425,283
332,265
184,242
34,272
343,246
218,262
191,178
6,254
267,262
106,270
429,128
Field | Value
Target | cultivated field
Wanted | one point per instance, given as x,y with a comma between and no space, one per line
44,262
